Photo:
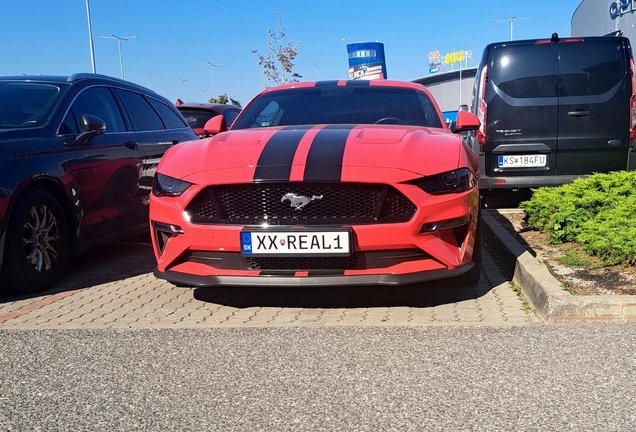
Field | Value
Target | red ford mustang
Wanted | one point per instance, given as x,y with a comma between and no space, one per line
325,183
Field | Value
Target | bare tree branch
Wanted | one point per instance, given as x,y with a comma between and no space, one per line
278,62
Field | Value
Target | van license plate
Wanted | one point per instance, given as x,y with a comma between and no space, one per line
296,242
521,161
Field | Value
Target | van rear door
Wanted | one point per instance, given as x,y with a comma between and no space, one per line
522,110
594,92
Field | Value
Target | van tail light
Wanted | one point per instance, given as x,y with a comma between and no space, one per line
482,107
632,103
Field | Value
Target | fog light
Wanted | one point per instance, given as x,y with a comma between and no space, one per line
445,224
168,228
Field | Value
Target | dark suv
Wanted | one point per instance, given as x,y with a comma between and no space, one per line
553,110
77,158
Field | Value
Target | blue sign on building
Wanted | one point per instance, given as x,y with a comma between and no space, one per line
366,60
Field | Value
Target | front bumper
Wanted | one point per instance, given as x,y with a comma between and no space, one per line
191,280
421,249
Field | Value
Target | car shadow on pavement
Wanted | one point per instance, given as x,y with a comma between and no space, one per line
427,294
119,261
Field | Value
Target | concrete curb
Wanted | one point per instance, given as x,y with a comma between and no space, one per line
542,290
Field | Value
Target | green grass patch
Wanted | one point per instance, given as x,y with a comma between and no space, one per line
575,258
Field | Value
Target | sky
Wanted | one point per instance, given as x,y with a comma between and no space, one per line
175,40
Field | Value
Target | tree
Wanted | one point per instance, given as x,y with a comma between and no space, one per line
278,62
223,99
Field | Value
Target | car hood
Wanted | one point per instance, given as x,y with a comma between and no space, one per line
288,153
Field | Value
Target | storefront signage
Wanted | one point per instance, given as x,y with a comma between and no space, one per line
436,60
454,57
621,7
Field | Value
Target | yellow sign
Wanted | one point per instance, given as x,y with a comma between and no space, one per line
454,57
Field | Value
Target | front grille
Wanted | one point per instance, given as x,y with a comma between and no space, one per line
341,203
302,263
292,264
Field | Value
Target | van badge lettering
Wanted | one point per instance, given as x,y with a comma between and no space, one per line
508,132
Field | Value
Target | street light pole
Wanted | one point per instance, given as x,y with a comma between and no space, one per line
90,35
121,58
213,66
511,21
149,75
205,93
318,69
183,83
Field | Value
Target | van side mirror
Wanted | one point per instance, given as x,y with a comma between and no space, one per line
466,121
215,125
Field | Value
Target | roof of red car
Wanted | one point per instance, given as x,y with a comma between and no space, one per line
205,106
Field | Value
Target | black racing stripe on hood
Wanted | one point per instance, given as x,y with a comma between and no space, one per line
324,161
275,161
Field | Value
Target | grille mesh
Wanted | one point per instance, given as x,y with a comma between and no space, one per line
339,203
302,263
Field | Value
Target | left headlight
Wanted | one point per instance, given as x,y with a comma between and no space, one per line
162,185
455,181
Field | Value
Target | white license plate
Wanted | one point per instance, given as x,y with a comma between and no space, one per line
522,161
296,242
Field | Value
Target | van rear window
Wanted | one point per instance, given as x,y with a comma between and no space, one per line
525,71
532,71
591,68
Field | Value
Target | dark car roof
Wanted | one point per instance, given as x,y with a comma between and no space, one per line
78,78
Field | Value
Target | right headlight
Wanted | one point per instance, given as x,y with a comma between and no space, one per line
455,181
162,185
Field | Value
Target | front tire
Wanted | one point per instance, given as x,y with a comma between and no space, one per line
37,247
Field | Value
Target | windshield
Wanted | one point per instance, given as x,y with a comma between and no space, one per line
26,104
340,105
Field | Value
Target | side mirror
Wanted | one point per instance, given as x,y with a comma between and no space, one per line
91,126
466,121
215,125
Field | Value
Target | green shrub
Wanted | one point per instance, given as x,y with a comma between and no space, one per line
597,212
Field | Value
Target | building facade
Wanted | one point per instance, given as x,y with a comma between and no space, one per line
605,17
450,89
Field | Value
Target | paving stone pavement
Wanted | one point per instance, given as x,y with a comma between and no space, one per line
114,287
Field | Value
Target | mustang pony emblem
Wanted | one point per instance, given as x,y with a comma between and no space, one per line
299,201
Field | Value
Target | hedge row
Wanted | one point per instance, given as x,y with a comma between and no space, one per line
598,212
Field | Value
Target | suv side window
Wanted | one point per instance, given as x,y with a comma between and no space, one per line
170,118
99,102
144,118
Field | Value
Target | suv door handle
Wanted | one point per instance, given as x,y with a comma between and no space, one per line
175,141
133,145
578,113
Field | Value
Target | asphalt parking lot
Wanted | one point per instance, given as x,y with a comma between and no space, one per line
114,287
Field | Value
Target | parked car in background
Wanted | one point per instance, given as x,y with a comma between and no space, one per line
77,158
327,183
198,114
553,110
